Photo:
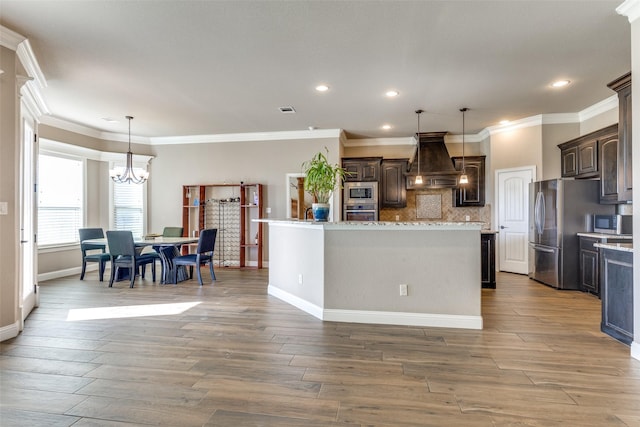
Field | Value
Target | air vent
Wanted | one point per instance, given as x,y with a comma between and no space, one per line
287,110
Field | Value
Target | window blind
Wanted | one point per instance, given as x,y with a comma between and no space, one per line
128,208
60,199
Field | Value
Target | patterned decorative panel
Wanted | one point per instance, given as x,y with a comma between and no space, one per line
225,216
429,206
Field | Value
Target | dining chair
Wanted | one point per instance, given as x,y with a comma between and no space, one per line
88,250
124,255
203,255
167,232
172,232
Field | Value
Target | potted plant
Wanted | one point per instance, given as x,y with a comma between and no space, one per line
320,180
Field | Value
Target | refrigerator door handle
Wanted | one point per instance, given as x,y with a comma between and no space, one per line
541,249
537,212
543,212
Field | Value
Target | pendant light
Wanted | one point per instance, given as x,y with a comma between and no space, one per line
418,177
464,179
127,175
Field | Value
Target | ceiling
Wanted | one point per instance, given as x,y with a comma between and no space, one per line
225,67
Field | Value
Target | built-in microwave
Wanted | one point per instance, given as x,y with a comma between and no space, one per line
360,192
612,224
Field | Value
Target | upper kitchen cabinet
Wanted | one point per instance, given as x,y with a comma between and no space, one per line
580,157
362,168
624,177
394,190
473,193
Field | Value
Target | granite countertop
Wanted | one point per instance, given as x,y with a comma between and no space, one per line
606,236
622,247
381,225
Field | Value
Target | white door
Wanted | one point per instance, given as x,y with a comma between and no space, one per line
512,197
28,167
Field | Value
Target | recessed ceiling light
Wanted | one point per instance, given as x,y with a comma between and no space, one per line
287,110
560,83
392,93
504,122
322,88
386,127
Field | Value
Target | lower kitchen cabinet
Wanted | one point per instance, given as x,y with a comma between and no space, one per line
590,260
616,278
488,255
589,264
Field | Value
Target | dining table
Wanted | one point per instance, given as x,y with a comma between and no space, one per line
166,247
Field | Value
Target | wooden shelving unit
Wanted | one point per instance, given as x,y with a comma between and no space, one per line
230,208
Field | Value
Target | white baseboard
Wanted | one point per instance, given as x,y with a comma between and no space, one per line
295,301
9,331
635,350
403,318
379,317
74,271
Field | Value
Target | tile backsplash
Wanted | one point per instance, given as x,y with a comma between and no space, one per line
415,207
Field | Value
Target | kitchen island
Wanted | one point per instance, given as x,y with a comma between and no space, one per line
358,271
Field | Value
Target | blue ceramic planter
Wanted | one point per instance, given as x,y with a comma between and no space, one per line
320,212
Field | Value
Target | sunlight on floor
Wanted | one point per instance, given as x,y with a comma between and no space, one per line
129,311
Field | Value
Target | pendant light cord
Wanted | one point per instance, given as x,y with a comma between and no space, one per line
418,112
463,110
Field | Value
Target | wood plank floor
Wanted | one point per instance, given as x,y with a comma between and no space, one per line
230,355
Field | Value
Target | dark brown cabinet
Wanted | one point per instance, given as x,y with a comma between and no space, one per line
589,265
473,193
590,262
616,277
488,256
362,169
580,157
609,168
623,172
393,192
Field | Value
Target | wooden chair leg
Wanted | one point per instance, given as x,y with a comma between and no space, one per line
114,270
84,268
213,275
102,267
133,270
199,275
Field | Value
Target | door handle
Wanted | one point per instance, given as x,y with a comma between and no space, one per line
502,227
549,251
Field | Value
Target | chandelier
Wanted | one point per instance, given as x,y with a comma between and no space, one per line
418,180
127,175
464,179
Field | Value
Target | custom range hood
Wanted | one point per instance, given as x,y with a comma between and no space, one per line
436,166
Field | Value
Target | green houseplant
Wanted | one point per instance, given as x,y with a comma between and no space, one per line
321,178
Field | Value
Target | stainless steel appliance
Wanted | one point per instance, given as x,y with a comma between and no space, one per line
560,208
612,224
360,201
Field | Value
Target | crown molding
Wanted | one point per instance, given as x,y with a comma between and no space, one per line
603,106
368,142
247,137
9,38
30,62
52,146
630,9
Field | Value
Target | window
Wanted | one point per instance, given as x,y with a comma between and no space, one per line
60,199
128,208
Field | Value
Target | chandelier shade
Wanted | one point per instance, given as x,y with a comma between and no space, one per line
127,175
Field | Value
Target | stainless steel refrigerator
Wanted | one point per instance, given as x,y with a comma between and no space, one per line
560,208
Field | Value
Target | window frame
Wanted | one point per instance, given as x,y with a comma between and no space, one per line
64,155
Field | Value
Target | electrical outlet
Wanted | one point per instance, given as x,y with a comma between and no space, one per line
4,208
397,217
300,279
467,218
268,210
404,290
